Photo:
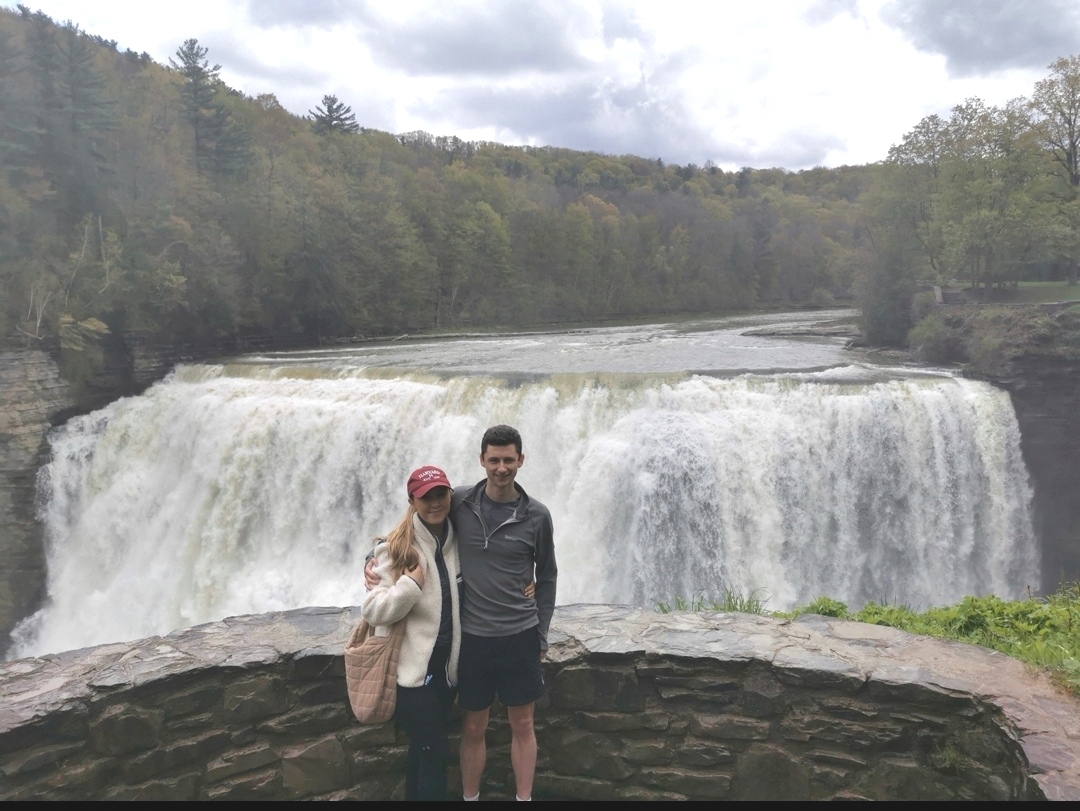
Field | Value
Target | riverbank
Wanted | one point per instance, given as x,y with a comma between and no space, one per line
997,342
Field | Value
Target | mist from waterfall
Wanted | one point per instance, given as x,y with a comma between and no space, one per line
227,490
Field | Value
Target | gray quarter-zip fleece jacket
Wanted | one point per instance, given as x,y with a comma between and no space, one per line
497,563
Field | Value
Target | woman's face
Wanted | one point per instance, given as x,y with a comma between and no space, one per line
433,506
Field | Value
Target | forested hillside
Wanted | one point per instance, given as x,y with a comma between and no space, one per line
140,196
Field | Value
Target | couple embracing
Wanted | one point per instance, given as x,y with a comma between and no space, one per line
459,569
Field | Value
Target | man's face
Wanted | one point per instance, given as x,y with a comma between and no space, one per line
501,463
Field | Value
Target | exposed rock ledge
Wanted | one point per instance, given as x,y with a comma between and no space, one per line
825,330
641,706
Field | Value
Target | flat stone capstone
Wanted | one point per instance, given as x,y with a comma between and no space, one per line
641,705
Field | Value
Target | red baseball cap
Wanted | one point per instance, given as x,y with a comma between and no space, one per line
424,479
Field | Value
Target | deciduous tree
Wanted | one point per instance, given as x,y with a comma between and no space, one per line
1056,106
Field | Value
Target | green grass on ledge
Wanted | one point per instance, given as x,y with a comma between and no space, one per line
1044,632
1030,292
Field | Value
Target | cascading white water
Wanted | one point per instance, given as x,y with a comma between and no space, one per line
228,490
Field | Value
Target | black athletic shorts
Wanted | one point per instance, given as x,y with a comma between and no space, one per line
504,666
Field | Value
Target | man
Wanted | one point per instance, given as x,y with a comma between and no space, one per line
505,540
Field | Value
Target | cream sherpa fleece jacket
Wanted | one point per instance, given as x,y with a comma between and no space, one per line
419,607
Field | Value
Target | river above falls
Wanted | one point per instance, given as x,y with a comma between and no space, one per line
709,346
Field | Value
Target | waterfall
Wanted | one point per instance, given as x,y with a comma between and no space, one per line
236,489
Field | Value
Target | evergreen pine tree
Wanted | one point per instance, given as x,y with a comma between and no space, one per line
221,144
16,127
333,116
84,115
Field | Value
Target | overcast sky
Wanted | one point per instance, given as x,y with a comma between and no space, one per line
791,83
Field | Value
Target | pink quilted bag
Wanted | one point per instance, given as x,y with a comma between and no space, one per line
371,671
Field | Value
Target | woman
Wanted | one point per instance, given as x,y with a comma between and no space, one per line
417,564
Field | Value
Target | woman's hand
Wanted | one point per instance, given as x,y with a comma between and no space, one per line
417,574
371,580
530,590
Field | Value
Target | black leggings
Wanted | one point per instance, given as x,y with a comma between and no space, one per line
424,714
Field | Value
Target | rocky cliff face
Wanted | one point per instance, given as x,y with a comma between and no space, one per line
31,396
34,396
1046,396
43,387
1034,353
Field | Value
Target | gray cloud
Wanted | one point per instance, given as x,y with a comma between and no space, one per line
523,75
621,23
557,96
588,114
300,13
793,150
504,38
984,37
237,57
824,11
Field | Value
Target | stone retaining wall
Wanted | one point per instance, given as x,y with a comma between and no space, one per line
641,706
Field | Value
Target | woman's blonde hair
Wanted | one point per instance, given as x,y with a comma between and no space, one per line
399,543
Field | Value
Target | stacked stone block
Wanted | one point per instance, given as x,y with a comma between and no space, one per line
641,706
